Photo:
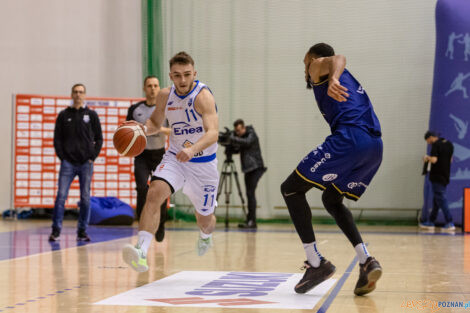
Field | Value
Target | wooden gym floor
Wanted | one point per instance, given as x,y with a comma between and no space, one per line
420,269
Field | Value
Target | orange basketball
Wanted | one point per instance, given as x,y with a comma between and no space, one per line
129,139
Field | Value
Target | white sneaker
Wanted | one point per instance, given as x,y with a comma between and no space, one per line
203,245
134,257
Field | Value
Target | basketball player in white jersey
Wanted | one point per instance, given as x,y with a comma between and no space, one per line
190,161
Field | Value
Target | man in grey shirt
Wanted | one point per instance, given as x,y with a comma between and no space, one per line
148,160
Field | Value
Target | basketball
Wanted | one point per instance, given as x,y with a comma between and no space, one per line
129,139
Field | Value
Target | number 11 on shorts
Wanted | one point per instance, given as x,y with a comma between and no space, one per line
206,197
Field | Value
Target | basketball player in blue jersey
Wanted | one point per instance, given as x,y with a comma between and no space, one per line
342,166
190,162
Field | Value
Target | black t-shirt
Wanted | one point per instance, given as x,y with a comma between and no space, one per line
440,171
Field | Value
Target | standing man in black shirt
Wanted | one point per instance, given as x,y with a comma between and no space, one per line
148,160
246,140
440,159
77,142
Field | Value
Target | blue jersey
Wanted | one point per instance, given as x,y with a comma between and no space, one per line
356,111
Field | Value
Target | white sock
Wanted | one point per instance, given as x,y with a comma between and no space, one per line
203,235
362,253
144,241
313,256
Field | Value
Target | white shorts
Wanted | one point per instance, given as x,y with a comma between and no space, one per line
198,180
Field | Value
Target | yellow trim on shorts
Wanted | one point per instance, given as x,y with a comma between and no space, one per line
310,181
348,194
321,83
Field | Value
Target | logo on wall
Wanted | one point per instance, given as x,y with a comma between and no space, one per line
463,39
457,85
460,126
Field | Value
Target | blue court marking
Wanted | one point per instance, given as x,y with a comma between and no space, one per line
58,292
28,242
338,287
236,230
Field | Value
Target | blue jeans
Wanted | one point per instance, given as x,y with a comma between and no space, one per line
67,173
440,201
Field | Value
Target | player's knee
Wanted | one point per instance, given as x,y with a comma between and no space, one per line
287,187
332,200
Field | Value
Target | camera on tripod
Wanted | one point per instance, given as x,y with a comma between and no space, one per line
229,171
224,140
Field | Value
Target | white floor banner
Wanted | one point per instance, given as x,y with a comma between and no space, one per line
223,289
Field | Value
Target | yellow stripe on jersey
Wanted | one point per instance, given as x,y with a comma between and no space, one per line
321,83
310,181
345,192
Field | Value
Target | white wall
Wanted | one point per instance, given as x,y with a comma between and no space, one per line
46,46
250,53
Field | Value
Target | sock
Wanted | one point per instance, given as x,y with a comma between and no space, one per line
203,235
144,241
362,253
313,256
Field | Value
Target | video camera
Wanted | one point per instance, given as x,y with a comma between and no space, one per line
224,140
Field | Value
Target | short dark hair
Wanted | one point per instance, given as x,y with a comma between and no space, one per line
148,77
77,85
430,133
181,58
239,122
322,50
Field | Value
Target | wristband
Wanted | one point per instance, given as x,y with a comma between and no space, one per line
145,129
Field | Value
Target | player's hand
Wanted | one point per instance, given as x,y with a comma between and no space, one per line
144,128
337,91
185,155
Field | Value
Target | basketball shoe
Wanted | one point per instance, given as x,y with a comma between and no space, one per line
314,275
369,274
135,258
203,245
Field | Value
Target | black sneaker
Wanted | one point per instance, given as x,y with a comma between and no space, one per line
369,274
55,235
82,236
248,225
314,275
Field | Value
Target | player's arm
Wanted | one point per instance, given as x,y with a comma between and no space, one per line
165,130
205,106
333,67
155,122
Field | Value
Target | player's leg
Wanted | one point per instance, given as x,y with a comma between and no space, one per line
167,179
359,167
136,256
156,158
66,176
206,224
370,269
318,269
333,202
201,188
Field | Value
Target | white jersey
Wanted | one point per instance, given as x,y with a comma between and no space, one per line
186,123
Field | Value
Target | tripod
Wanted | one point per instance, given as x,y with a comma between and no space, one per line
228,168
